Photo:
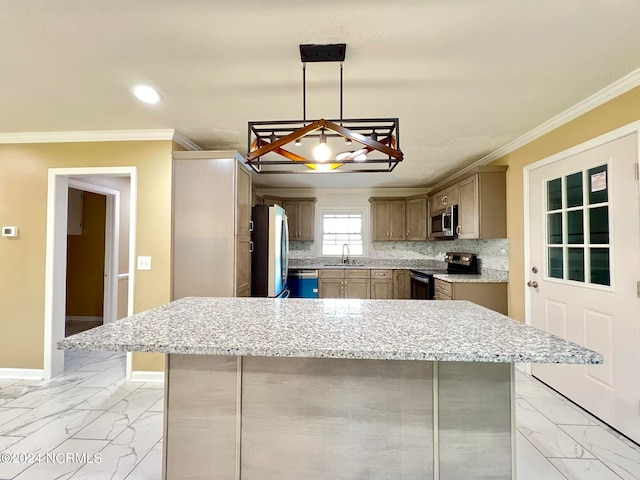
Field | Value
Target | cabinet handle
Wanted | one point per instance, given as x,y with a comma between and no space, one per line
396,276
458,230
408,233
250,247
251,225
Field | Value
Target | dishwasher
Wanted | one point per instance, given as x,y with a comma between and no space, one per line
303,283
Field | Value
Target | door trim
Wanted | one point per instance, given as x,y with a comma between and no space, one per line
56,258
623,131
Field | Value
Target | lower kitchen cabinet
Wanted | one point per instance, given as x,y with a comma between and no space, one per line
382,284
344,283
402,284
489,295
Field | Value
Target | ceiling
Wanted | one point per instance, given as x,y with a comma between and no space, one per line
464,77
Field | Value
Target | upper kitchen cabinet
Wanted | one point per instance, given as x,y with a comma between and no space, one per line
444,198
481,199
482,206
301,213
416,218
388,217
211,225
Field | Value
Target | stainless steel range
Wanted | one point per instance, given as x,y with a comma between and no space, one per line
422,284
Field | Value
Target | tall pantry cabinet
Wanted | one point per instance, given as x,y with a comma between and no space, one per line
211,225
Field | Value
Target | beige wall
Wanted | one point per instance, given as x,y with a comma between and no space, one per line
614,114
23,202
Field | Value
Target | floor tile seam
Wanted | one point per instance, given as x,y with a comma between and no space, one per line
603,460
129,423
591,459
142,459
555,424
54,415
589,415
538,450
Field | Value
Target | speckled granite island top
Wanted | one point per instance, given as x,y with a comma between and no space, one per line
332,328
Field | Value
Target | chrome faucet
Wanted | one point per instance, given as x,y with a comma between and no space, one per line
345,259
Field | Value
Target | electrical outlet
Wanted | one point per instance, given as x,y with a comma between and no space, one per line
144,263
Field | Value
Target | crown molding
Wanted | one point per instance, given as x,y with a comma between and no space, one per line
181,139
609,92
88,136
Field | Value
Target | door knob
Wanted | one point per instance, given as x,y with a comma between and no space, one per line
533,284
534,269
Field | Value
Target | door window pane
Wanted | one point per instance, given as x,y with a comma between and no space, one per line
599,225
575,257
574,190
575,227
554,194
598,184
554,228
600,272
555,262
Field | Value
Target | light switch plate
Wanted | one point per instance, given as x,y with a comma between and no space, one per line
144,263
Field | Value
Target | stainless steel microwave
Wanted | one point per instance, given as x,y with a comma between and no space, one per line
444,222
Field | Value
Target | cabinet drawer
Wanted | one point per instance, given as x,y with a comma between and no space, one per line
441,296
330,273
357,273
443,287
381,274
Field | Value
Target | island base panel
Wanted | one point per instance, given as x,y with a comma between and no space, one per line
290,418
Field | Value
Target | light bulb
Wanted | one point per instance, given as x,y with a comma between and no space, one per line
321,152
298,142
347,141
146,94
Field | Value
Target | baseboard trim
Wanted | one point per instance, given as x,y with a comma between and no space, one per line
22,373
82,318
146,376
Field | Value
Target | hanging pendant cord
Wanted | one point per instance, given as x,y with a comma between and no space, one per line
341,93
304,91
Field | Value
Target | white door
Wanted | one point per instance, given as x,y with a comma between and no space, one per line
585,264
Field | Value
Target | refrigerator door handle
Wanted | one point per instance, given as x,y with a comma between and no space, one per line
250,247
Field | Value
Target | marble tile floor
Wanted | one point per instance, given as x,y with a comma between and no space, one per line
92,409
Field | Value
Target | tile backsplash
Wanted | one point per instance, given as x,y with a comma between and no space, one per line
494,254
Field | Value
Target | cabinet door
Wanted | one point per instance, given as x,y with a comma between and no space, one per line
306,220
417,219
436,201
451,195
357,288
330,288
468,214
401,284
397,220
381,289
243,201
291,207
243,265
380,220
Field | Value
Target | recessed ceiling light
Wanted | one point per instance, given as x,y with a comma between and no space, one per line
146,94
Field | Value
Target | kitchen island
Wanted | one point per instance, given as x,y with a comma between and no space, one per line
281,389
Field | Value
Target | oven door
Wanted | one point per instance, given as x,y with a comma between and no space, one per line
421,288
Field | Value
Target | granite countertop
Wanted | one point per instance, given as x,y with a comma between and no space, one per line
487,276
332,328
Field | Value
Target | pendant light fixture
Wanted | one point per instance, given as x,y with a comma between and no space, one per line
377,139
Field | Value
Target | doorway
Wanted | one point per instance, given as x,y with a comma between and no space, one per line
583,259
60,179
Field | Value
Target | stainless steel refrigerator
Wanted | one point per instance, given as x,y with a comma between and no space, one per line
270,255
